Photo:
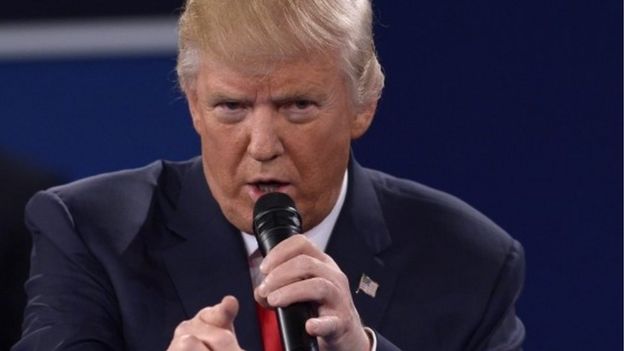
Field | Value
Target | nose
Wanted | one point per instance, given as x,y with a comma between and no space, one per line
265,143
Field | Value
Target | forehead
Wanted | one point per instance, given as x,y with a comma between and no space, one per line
315,71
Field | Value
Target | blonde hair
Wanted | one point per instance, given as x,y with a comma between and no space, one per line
258,32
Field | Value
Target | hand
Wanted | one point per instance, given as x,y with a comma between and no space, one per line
297,271
212,328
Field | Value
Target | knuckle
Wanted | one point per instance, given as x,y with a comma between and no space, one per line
205,313
327,258
182,328
299,240
343,280
186,341
305,263
223,340
324,287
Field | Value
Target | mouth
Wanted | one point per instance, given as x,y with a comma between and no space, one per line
259,188
268,187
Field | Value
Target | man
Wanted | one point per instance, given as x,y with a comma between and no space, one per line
161,256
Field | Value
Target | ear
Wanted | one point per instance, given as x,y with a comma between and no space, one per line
363,119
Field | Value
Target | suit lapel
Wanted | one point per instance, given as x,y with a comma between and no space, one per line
357,242
208,260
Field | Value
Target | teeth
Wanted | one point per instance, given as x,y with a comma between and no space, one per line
267,188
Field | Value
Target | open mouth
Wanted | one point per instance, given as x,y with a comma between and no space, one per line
269,187
259,188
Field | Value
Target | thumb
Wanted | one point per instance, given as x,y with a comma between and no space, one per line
222,314
322,326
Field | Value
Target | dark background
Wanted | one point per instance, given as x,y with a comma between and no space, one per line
514,106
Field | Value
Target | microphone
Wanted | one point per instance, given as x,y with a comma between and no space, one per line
275,218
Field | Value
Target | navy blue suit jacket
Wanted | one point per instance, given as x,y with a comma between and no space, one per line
120,259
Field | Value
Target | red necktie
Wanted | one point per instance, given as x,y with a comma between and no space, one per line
268,327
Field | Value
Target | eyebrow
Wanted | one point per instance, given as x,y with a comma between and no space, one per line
220,97
283,99
311,92
288,98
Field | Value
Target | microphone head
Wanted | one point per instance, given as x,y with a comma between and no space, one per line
271,201
275,218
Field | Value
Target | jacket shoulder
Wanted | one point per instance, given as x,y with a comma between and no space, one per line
458,273
110,207
433,217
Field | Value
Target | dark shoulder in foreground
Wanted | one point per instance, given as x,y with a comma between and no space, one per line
121,191
115,203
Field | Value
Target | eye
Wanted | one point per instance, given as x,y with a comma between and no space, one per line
230,111
300,110
302,104
230,105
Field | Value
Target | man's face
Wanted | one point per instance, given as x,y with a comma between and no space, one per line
288,130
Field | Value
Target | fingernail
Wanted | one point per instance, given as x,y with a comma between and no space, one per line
313,322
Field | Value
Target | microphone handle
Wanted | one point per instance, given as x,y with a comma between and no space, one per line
291,318
292,328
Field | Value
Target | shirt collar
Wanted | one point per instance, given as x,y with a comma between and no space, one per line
319,235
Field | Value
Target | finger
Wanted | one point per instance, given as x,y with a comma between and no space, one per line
261,299
289,248
298,268
325,326
221,315
187,342
215,338
212,337
319,290
182,329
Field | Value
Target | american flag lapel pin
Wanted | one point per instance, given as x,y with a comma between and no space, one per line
367,286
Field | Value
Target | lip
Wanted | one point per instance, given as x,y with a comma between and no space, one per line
255,192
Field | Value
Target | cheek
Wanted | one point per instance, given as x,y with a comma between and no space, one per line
221,152
321,163
321,154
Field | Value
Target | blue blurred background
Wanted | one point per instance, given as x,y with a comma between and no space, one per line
516,107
